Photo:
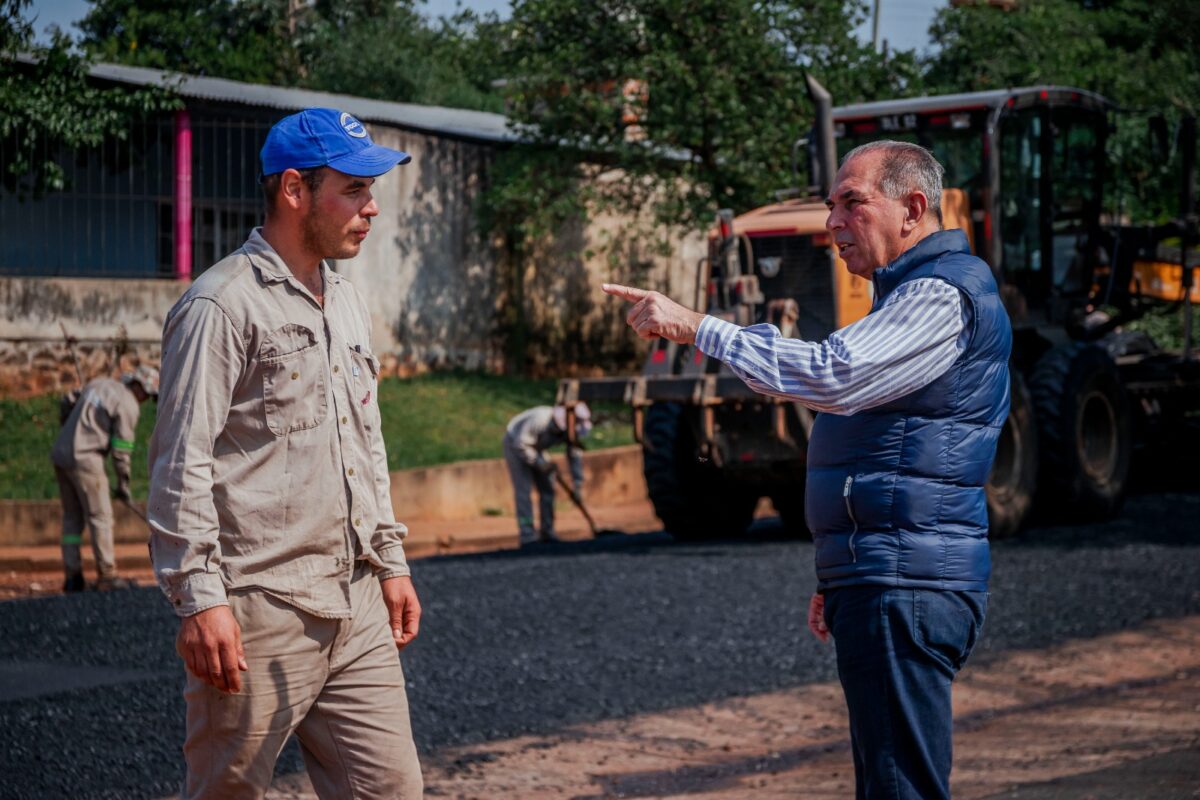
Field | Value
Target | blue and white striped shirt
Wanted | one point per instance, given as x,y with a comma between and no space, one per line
907,344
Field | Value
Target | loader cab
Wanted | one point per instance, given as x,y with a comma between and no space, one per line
1029,164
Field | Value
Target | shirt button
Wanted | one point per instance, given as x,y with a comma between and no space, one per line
350,471
345,420
295,375
335,367
358,522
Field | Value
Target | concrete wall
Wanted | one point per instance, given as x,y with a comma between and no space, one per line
438,289
462,491
429,278
116,323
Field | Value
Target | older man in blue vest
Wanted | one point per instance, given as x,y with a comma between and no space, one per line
912,397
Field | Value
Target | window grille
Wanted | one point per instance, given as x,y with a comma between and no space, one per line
115,219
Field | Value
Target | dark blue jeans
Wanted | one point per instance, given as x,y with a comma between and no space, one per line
897,652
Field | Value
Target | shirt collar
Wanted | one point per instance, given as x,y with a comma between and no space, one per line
936,244
272,269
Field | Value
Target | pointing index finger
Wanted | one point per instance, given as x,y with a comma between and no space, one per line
624,292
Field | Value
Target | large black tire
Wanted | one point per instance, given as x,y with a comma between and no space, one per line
1012,484
1082,412
693,499
790,505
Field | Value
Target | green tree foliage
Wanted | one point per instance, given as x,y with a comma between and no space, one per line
393,53
697,102
1142,54
247,40
660,111
981,47
48,107
384,49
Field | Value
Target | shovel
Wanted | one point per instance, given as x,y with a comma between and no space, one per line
146,519
596,533
129,504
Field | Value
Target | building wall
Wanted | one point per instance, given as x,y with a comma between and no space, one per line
114,324
437,293
437,288
428,277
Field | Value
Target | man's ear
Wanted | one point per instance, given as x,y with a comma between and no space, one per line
291,189
914,210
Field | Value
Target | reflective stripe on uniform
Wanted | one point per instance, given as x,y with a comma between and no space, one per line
72,538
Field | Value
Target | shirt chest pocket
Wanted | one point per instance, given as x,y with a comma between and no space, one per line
365,385
294,389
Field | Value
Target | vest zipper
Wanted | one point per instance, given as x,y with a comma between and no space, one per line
850,510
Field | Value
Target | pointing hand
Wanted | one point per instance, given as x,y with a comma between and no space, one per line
653,314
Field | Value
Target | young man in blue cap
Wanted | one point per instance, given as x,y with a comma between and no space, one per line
272,531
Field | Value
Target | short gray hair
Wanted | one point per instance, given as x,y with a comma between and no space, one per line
906,168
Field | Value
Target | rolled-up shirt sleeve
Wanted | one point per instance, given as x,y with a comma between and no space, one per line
124,431
203,359
904,345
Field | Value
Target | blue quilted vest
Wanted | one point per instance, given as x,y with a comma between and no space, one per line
895,494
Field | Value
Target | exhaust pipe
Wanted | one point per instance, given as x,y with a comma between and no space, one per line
1188,219
824,152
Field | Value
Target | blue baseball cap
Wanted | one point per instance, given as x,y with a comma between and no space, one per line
326,137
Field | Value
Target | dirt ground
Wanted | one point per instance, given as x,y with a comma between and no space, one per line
1024,719
37,571
15,584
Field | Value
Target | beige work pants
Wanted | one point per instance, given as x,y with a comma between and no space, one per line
336,684
83,490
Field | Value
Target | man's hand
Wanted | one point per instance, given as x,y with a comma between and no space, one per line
546,467
816,617
653,314
404,609
210,643
122,493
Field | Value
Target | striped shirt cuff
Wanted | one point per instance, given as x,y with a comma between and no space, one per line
715,337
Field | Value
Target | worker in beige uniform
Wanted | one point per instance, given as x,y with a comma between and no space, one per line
527,437
102,422
272,530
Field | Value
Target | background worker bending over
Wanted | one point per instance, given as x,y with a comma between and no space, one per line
528,436
104,420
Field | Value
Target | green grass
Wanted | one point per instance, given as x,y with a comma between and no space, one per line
436,419
433,419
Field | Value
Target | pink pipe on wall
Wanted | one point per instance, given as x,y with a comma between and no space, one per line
183,195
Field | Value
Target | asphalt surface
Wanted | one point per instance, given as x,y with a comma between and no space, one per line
514,643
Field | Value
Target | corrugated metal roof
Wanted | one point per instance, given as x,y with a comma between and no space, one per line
460,123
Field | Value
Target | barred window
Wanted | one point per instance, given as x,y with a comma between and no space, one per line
116,215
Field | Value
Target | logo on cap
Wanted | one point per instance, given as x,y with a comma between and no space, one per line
352,126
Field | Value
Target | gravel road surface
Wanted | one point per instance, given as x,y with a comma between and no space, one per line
515,643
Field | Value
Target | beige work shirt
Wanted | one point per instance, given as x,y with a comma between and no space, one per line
534,431
104,420
267,466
